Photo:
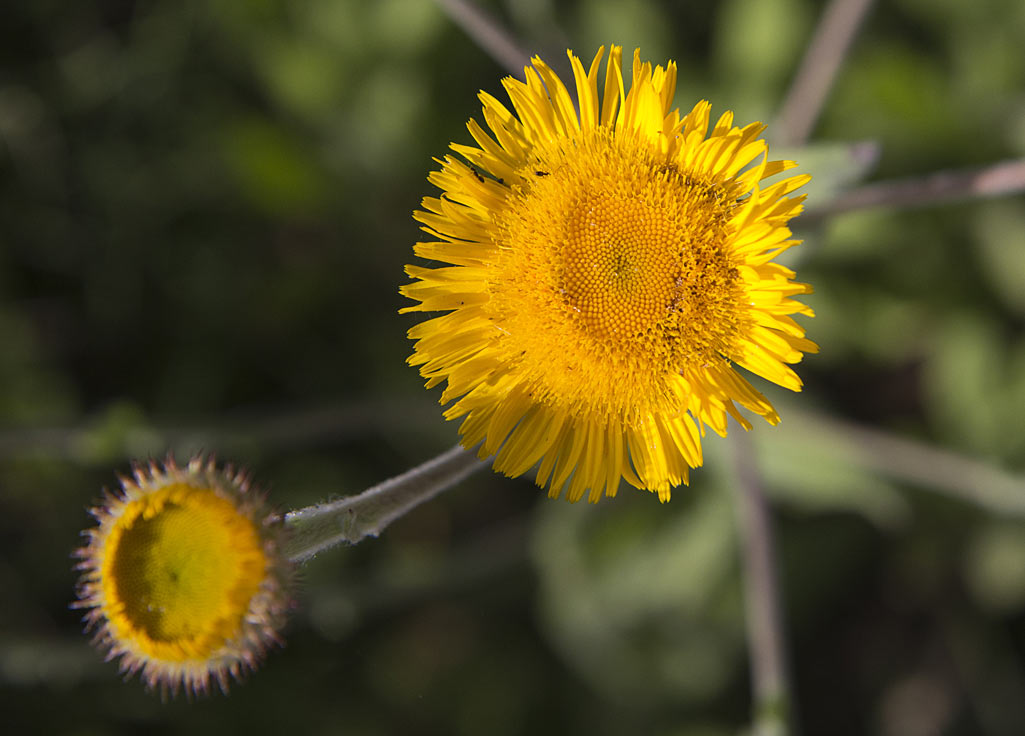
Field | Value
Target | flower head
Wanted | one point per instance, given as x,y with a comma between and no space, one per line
183,577
608,267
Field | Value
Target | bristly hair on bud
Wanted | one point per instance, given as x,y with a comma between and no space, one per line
184,579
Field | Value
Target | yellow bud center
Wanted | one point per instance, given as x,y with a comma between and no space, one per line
181,566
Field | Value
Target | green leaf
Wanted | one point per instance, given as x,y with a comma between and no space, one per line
834,167
633,593
995,567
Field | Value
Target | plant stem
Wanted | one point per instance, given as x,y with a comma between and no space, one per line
999,179
769,682
316,528
819,67
935,469
487,33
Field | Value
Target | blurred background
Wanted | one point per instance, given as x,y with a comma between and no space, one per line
204,215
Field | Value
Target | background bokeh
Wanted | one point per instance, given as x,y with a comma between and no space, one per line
204,215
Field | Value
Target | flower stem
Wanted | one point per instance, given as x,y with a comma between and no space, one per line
316,528
766,641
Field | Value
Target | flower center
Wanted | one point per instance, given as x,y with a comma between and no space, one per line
613,261
619,266
182,565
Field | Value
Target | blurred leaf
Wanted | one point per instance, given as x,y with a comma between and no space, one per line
857,236
893,93
975,386
631,593
1000,229
405,26
809,471
304,76
995,567
757,45
834,167
634,23
120,431
30,392
387,100
56,663
889,327
93,70
273,167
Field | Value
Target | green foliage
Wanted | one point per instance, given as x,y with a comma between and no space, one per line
834,167
651,624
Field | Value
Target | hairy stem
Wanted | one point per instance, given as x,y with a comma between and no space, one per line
319,527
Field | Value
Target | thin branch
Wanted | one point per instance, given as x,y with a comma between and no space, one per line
937,470
818,70
488,33
349,520
115,433
766,640
1006,177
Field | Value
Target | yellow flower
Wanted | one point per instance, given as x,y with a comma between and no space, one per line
183,577
608,269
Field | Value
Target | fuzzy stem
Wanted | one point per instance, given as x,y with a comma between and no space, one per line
766,641
318,527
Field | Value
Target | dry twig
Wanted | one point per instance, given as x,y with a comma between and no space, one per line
817,72
487,33
1006,177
